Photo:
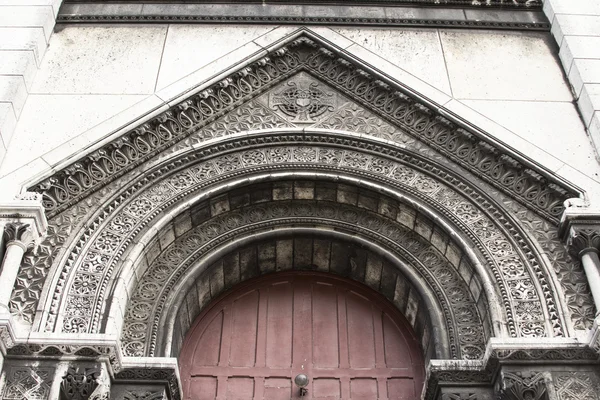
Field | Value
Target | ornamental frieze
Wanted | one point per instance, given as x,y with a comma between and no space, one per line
511,275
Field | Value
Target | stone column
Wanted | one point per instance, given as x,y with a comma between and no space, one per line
584,244
17,236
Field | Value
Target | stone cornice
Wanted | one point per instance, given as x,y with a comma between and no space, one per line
493,14
502,168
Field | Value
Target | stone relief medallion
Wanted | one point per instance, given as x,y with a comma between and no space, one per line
303,99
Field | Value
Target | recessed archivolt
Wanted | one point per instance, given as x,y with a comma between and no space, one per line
318,251
462,305
153,199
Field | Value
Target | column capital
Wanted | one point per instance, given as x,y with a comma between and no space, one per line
580,229
18,232
583,239
25,209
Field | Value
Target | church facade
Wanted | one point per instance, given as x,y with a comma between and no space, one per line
372,200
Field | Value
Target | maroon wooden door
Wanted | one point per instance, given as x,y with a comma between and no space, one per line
252,342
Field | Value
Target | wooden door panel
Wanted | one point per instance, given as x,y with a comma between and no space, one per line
210,342
203,388
361,340
325,327
279,325
363,389
278,389
326,388
401,389
240,388
243,330
253,341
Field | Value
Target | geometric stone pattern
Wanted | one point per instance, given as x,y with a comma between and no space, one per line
463,323
525,311
27,383
577,385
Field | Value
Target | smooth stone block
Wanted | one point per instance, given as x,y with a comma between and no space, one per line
18,63
579,7
29,16
503,66
8,120
578,25
13,90
417,51
187,48
589,102
104,59
55,4
404,78
44,124
24,39
584,71
578,47
433,13
544,125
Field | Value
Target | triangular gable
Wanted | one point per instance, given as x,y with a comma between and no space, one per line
293,66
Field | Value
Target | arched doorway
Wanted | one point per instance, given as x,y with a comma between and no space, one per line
349,341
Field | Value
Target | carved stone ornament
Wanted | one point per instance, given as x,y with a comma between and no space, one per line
583,239
27,383
18,232
79,383
523,386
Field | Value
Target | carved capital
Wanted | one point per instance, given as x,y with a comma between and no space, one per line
583,239
18,232
523,385
79,384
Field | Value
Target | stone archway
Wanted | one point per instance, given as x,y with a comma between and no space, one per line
252,342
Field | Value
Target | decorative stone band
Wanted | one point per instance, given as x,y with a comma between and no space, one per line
467,147
512,273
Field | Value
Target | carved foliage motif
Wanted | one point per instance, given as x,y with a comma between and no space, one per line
523,386
577,386
17,231
512,276
27,383
79,384
583,239
144,310
463,147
